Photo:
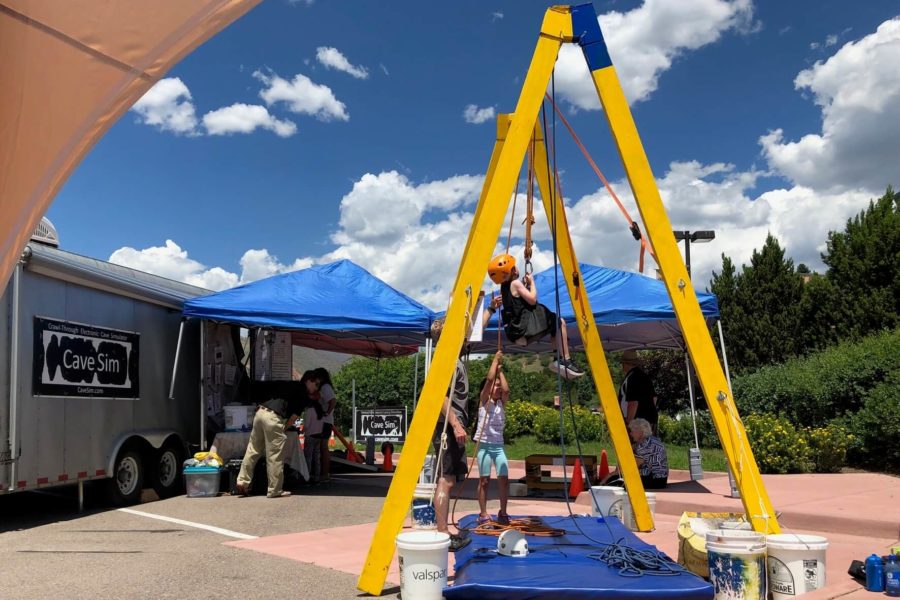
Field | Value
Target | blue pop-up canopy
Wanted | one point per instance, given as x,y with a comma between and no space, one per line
339,307
631,310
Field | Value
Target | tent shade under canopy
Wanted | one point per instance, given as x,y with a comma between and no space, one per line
339,307
631,310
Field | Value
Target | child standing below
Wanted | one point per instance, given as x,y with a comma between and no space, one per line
489,436
524,319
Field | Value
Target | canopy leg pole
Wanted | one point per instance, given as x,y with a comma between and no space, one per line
202,385
177,355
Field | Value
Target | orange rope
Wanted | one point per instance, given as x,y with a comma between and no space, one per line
644,242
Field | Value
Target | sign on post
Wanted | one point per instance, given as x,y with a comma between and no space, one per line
385,424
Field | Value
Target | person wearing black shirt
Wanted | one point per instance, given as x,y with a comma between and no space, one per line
280,402
636,395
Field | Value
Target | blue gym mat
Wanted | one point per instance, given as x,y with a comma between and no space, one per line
561,567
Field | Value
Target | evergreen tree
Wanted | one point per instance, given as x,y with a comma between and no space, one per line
760,307
864,265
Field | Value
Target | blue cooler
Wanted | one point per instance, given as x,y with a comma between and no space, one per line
202,482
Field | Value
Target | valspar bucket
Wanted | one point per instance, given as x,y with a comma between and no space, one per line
796,564
603,497
628,514
737,571
422,556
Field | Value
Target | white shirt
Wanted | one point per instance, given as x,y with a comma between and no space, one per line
494,432
326,395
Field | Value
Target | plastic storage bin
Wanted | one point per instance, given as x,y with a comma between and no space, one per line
202,482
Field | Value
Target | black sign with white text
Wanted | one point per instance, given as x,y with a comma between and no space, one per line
386,424
72,359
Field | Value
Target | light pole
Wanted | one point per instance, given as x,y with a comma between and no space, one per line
697,237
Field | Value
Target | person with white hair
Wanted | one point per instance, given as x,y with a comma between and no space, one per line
650,456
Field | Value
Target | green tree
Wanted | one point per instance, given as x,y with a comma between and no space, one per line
760,307
824,314
864,264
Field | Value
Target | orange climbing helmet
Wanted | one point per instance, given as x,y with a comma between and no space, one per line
500,268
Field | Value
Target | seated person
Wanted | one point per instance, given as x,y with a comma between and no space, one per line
524,319
650,455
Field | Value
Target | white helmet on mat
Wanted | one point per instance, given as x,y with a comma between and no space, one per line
512,543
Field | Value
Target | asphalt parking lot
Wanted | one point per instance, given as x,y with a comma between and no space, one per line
49,549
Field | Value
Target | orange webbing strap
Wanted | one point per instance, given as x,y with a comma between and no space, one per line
526,525
529,217
645,244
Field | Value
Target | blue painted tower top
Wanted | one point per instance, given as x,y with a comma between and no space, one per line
587,32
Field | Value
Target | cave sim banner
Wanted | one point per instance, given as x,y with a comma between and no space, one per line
84,361
384,424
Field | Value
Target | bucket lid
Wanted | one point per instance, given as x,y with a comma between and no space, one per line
423,539
796,541
746,548
722,536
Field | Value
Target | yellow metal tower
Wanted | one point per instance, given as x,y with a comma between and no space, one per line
565,24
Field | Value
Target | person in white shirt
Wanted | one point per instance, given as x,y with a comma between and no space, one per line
329,400
489,436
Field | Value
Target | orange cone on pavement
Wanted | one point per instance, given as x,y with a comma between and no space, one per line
603,472
577,485
387,450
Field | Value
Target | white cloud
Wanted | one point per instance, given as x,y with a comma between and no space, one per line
302,96
496,16
385,69
168,106
720,198
245,118
173,262
858,90
333,59
644,42
475,115
259,264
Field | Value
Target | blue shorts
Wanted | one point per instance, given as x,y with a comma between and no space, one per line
492,453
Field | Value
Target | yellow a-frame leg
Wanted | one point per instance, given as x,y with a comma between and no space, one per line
590,334
684,300
498,190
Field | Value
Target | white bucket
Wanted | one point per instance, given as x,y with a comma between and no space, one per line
603,497
796,564
422,511
628,514
737,571
422,556
734,537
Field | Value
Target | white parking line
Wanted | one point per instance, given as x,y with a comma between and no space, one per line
219,530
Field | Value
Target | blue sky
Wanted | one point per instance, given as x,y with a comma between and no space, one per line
311,131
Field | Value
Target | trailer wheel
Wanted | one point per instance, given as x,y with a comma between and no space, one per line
166,474
128,479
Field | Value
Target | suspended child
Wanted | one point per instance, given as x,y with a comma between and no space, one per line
524,319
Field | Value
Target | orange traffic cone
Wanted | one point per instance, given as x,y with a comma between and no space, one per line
603,471
387,449
577,485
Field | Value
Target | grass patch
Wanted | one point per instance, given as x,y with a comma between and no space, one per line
712,459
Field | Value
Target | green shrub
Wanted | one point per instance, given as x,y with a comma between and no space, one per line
520,418
777,445
591,427
828,447
814,390
876,429
680,430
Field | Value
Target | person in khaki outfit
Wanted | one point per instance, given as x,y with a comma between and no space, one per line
283,402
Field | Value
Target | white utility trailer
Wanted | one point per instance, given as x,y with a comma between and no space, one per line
87,350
